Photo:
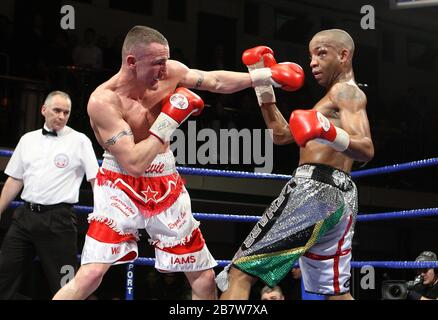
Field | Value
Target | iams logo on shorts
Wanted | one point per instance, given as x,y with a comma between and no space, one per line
182,260
179,101
61,160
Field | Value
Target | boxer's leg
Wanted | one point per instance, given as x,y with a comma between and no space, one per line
86,281
180,247
202,284
240,284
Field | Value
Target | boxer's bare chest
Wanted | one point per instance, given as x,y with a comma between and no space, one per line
329,109
141,114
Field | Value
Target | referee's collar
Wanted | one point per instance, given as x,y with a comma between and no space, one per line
60,132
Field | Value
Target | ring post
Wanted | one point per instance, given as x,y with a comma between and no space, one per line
129,282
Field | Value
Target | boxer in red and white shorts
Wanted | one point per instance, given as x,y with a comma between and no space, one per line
156,201
133,116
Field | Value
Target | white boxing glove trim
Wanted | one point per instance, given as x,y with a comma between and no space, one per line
163,127
261,77
257,65
341,142
265,94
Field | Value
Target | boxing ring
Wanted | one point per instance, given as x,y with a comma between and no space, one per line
361,217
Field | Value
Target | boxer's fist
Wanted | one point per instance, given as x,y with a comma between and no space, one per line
181,104
176,108
287,75
258,57
306,125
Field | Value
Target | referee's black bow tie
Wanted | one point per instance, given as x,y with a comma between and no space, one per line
50,133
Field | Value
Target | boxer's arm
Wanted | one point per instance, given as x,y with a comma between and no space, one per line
117,136
277,123
354,120
219,81
10,190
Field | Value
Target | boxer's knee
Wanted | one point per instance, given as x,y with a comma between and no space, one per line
345,296
209,279
235,275
203,284
91,275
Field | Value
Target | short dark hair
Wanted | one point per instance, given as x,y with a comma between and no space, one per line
141,35
268,289
427,256
57,93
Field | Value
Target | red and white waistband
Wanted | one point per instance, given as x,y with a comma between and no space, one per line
162,165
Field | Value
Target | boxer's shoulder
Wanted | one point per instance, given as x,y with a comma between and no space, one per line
176,69
346,91
104,99
175,65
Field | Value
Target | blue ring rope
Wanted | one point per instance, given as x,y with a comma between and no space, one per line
416,213
257,175
354,264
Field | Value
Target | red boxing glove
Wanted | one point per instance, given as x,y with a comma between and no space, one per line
258,57
287,75
306,125
176,108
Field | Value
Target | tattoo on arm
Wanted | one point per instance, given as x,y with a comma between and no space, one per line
200,79
348,94
113,140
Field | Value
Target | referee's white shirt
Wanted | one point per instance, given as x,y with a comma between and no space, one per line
52,168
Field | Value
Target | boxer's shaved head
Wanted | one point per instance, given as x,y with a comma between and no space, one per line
337,38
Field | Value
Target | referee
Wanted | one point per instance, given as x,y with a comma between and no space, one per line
49,165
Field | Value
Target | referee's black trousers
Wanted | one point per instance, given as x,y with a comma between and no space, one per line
50,234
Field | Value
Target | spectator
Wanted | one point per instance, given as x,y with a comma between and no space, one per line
59,52
269,293
32,60
427,286
295,293
112,56
88,55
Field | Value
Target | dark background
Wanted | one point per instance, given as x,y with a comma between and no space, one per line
396,64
